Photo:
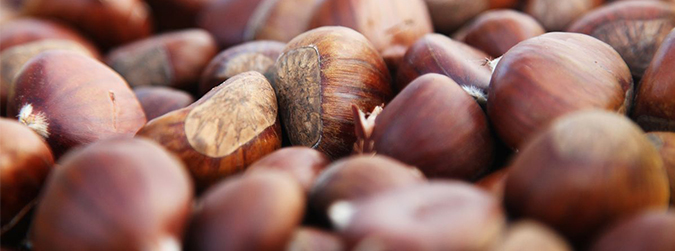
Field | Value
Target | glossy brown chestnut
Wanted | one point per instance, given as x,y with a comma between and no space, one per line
435,53
391,27
223,132
251,212
25,161
653,230
360,177
665,143
30,29
435,125
555,15
545,77
530,235
119,194
635,29
301,162
176,14
159,100
110,23
251,56
654,103
53,94
308,239
439,215
449,15
571,178
495,32
174,59
320,74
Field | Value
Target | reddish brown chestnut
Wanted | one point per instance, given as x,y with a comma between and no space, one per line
571,178
634,28
302,163
391,27
500,4
223,132
495,32
30,29
251,56
308,239
446,133
654,103
173,59
281,20
53,94
557,15
110,23
653,230
545,77
494,182
228,20
318,76
121,194
530,236
251,212
448,15
158,100
665,143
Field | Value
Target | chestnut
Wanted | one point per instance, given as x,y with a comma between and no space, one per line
435,53
176,14
307,239
25,162
173,59
53,94
494,182
159,100
228,20
651,230
555,15
281,20
634,28
9,10
439,215
319,75
496,31
301,162
570,177
359,177
665,143
251,56
30,29
500,4
251,212
449,15
547,76
391,27
531,235
110,23
223,132
654,108
116,194
445,132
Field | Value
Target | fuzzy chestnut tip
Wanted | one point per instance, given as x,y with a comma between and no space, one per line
35,120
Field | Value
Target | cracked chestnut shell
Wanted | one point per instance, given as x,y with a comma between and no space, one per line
225,131
53,94
665,144
651,230
496,31
158,100
119,194
320,74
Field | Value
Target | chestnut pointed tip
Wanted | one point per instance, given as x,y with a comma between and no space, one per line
479,95
341,213
37,121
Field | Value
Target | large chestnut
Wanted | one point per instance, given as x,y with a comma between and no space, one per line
320,74
251,212
223,132
391,27
173,59
251,56
301,162
634,28
653,230
495,32
53,94
449,15
159,100
556,15
119,194
29,29
435,125
654,103
530,235
571,177
665,143
545,77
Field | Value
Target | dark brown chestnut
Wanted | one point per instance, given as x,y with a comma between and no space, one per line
571,178
159,100
119,194
110,23
547,76
320,74
495,32
176,14
301,162
53,94
494,182
530,235
449,15
500,4
308,239
653,230
665,143
391,27
251,56
174,59
654,108
30,29
251,212
435,125
555,15
223,132
435,53
635,29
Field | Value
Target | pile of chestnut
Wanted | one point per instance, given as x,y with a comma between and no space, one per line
399,125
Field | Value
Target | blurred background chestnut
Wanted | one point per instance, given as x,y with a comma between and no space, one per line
529,235
159,100
556,15
652,230
448,15
29,29
665,144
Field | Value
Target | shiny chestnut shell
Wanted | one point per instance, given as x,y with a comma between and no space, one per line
495,32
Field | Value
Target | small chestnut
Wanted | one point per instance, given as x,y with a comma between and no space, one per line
665,144
556,15
53,94
571,178
159,100
29,29
301,162
528,235
449,15
308,239
223,132
496,31
320,74
118,194
651,230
